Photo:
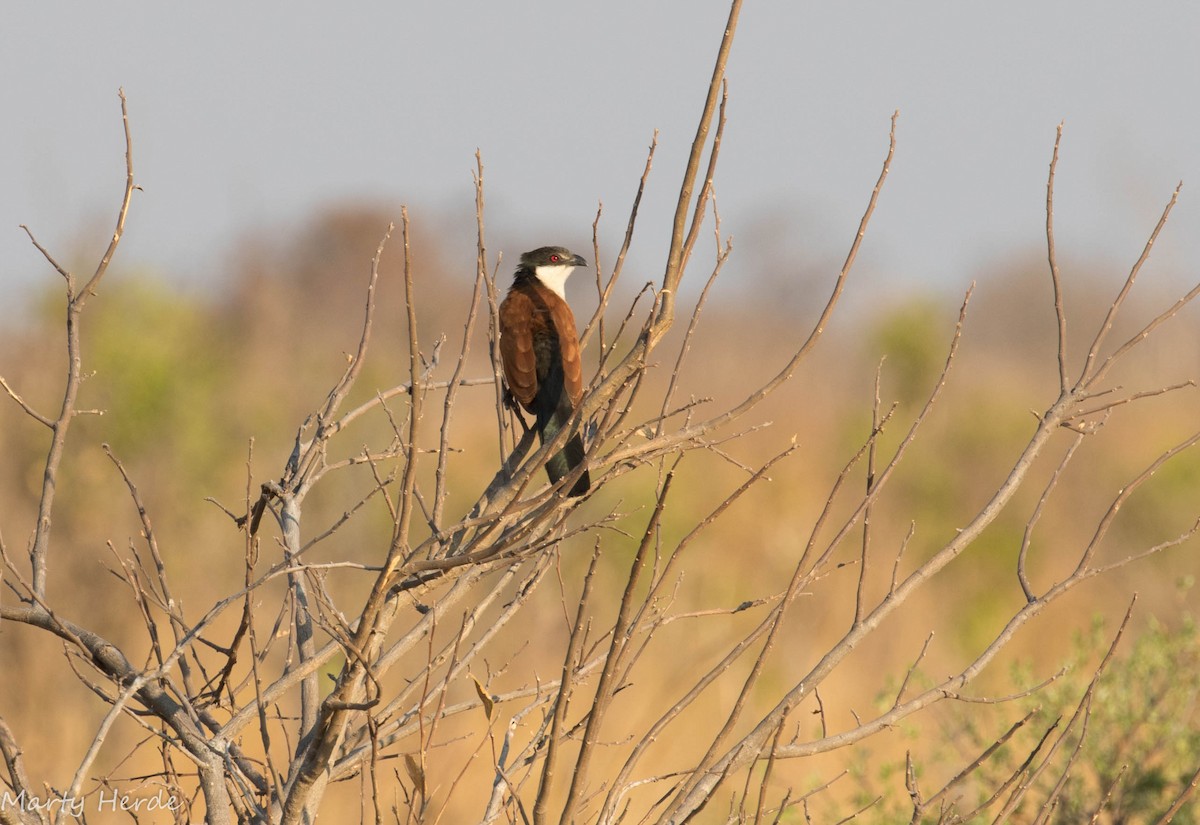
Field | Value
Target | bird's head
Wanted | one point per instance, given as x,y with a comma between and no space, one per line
552,265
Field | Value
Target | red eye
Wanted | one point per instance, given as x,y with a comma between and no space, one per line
553,259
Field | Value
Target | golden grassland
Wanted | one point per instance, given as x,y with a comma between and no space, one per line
186,382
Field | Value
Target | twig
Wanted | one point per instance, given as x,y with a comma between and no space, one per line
75,302
606,687
1027,538
1059,312
1089,377
563,694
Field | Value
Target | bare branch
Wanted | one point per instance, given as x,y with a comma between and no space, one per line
1059,312
606,687
30,411
41,538
89,288
1089,377
676,255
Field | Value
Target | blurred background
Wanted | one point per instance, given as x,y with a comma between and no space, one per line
274,144
251,118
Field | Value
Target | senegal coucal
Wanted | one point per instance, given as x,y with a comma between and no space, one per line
539,347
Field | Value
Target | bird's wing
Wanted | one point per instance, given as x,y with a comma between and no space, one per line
568,342
516,347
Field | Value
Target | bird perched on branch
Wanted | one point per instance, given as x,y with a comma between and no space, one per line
539,347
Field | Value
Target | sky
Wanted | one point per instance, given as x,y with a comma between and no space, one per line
252,117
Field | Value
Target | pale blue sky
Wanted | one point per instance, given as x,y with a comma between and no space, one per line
250,116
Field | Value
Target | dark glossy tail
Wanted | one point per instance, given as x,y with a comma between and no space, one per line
568,458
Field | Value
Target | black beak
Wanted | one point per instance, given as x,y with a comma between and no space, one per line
578,261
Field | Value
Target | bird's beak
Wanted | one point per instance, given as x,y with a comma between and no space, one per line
578,261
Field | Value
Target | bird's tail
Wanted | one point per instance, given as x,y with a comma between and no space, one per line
569,457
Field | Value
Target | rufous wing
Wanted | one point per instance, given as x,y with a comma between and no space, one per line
568,342
516,347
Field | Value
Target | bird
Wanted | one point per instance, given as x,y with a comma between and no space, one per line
539,350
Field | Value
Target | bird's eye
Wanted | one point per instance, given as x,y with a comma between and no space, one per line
553,259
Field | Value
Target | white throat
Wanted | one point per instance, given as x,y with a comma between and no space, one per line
554,277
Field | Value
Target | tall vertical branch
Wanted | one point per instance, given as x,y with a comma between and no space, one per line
1088,377
302,620
562,698
662,314
723,252
606,685
1145,331
675,255
706,188
409,478
822,321
323,726
481,273
75,302
604,290
1059,311
89,288
440,491
872,449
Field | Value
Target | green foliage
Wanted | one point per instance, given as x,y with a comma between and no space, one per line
1151,514
1140,748
160,363
1142,740
913,337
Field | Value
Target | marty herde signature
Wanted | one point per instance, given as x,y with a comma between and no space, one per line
75,806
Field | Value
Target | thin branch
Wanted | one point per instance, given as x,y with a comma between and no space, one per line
30,411
1027,538
75,302
604,292
606,687
1189,789
819,327
1088,377
676,253
873,443
978,761
1059,312
562,697
1123,495
89,288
